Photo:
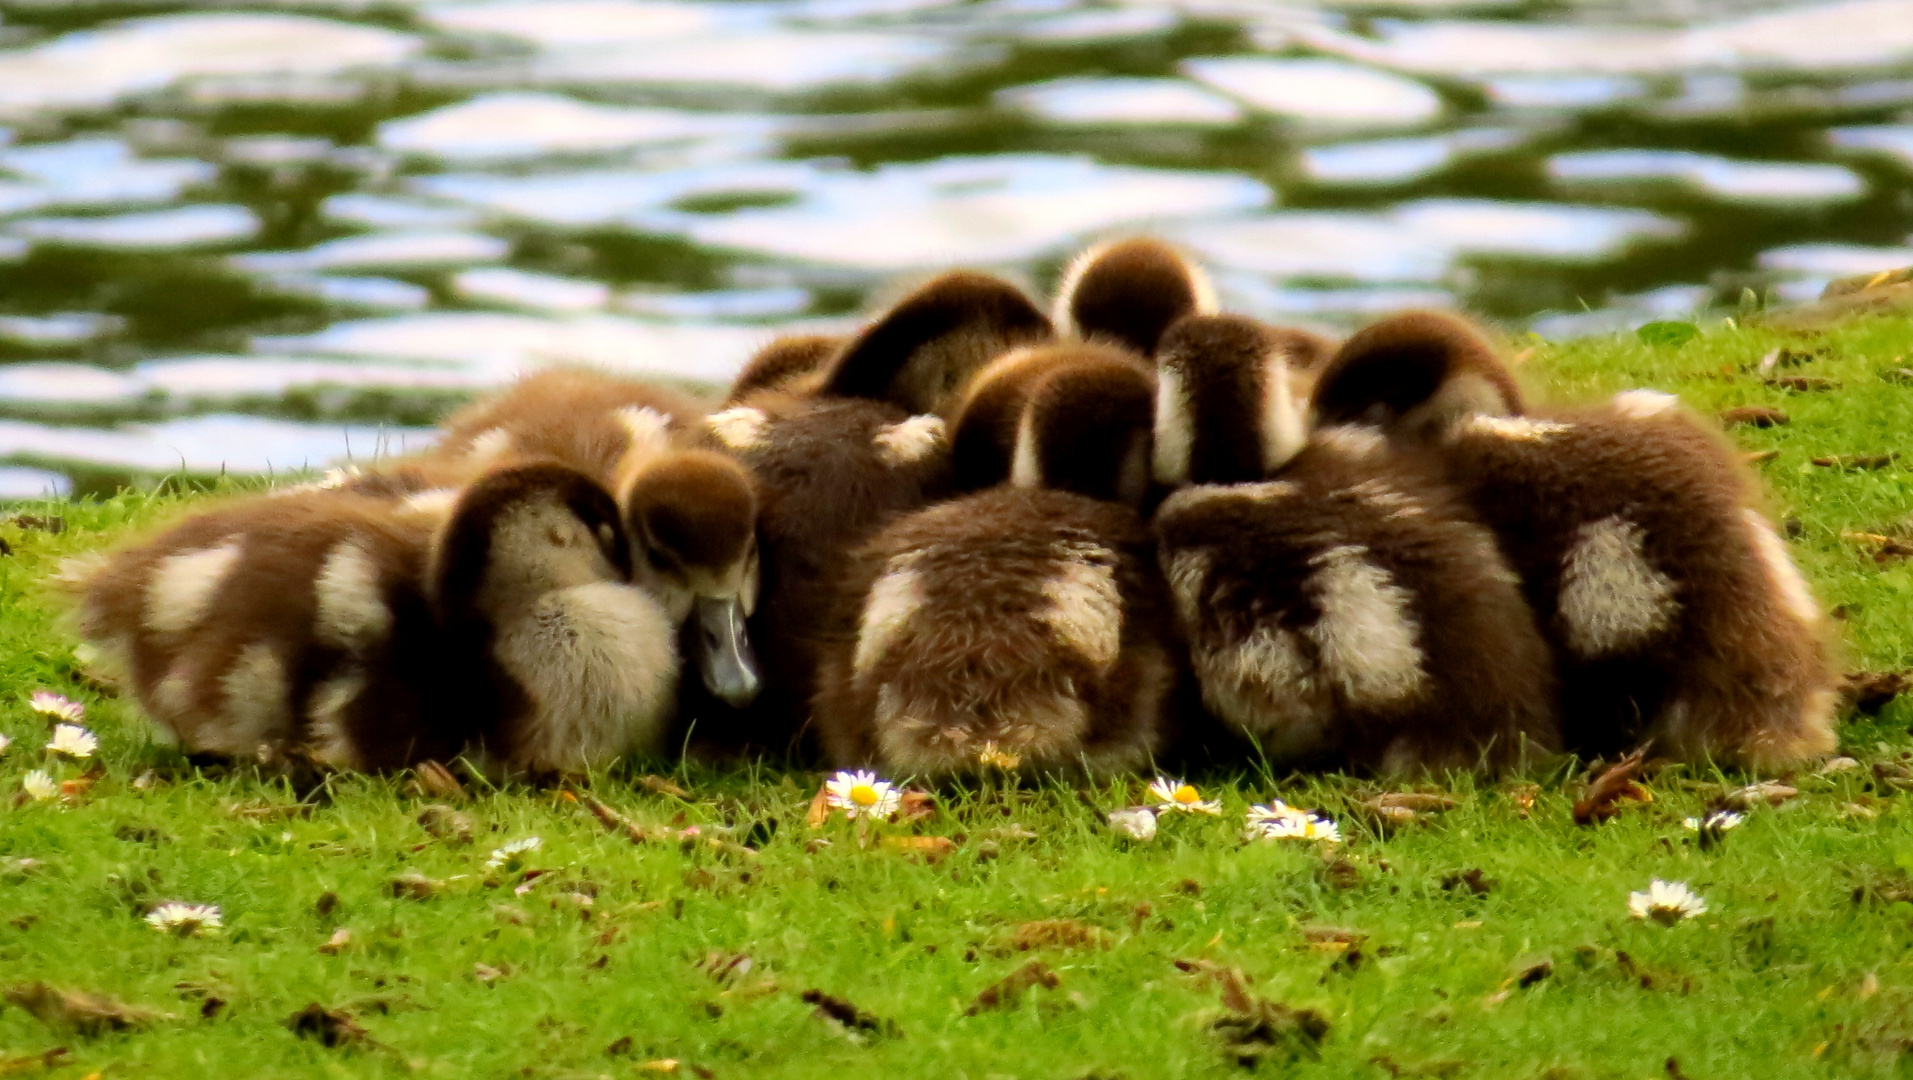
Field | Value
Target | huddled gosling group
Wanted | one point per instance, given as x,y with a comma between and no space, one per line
977,535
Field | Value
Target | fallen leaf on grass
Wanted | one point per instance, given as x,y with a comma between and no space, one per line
1758,457
615,821
1008,991
1422,802
928,848
1871,691
1054,934
1754,416
1770,792
1252,1029
79,1010
413,885
337,943
1523,796
1472,879
332,1027
1615,785
915,806
487,974
1439,1070
47,1060
37,523
446,823
1804,384
265,811
658,785
435,781
1859,462
853,1020
726,967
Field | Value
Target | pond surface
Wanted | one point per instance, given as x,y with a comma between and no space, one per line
261,237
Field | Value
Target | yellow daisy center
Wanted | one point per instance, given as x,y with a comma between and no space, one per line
863,795
1187,794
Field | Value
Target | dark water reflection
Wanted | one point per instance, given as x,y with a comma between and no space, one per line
254,236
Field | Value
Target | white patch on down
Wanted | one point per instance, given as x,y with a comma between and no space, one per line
1516,428
1642,404
258,703
488,446
893,601
599,662
1352,440
909,440
327,739
1085,609
1265,685
742,428
1611,599
1284,426
1175,428
1366,636
183,586
648,429
351,606
1387,499
1026,468
1781,571
1188,575
433,502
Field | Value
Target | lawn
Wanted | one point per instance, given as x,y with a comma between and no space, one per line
365,935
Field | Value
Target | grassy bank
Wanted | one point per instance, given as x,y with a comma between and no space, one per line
1491,939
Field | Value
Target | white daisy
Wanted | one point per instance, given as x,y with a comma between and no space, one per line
1666,902
1718,821
1137,822
39,785
862,794
52,704
1176,795
185,920
4,743
1279,821
512,855
74,741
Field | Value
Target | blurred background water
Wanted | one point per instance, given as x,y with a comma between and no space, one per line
261,237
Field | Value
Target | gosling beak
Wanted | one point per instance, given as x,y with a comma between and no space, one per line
724,651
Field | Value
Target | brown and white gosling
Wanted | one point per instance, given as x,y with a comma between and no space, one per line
690,514
1672,606
1023,626
1341,605
835,453
352,632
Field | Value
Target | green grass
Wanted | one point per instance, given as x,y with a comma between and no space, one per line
1786,975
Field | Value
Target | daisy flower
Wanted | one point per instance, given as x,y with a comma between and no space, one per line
512,855
39,785
48,703
1279,821
1176,795
862,794
1666,902
4,743
74,741
1718,821
1137,822
185,920
991,754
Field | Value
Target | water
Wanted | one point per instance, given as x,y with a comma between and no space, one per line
261,237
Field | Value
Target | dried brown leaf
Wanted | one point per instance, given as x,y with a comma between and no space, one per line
413,885
487,974
1770,792
435,781
819,809
1008,991
1871,691
337,943
47,1060
332,1027
1056,934
1523,796
1754,416
915,806
1804,384
81,1011
1855,462
1422,802
927,848
446,823
846,1015
1615,785
615,821
659,785
1472,879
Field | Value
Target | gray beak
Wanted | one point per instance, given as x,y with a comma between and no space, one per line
724,653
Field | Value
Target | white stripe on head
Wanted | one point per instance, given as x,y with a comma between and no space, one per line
1175,428
1026,467
1284,420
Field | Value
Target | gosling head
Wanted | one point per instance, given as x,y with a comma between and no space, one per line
1228,407
1415,374
692,516
1129,292
1069,417
921,353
